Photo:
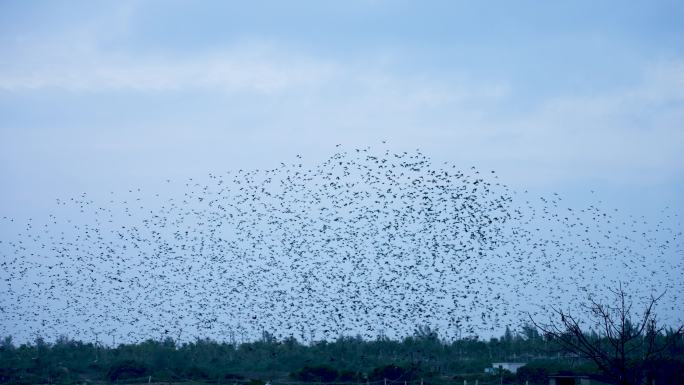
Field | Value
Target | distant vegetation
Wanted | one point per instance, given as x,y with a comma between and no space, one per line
421,357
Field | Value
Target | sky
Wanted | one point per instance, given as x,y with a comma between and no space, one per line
580,98
566,96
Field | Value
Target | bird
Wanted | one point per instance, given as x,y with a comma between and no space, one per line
363,242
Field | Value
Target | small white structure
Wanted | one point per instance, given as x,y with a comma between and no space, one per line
510,366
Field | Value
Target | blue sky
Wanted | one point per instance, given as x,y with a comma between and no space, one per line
565,96
559,96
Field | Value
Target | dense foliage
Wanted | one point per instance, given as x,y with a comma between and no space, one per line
421,357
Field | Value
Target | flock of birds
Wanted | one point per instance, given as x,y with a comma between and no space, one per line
363,243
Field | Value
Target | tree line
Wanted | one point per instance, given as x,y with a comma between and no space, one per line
422,356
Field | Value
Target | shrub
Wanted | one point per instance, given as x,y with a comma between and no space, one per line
316,374
6,375
534,374
395,373
196,373
231,376
126,369
349,376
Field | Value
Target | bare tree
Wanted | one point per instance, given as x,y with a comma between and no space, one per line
624,345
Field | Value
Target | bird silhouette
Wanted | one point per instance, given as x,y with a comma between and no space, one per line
363,243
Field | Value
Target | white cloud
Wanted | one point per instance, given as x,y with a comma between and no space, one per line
253,71
628,135
611,134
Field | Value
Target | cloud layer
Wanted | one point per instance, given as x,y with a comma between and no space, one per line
114,91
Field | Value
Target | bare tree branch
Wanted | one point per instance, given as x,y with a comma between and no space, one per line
626,349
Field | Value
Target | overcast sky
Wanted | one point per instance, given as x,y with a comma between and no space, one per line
565,96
